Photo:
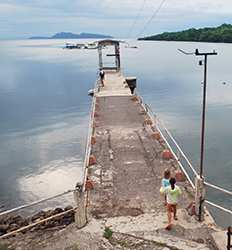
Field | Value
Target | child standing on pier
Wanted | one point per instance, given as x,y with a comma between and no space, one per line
173,193
102,77
165,183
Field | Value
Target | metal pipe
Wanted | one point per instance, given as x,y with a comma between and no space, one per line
218,188
35,203
197,53
88,139
203,117
171,137
181,166
178,147
219,207
147,108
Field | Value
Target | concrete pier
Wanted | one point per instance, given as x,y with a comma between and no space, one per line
128,171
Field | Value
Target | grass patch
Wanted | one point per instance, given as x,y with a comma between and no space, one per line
108,233
73,247
3,247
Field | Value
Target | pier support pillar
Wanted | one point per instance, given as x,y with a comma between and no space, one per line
199,197
81,211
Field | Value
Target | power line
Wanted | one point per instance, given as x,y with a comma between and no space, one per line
152,17
136,18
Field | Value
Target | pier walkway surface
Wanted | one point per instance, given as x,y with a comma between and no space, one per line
127,178
129,170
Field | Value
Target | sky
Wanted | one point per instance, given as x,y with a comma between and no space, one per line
25,18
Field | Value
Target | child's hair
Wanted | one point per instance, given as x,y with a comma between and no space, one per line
167,173
172,182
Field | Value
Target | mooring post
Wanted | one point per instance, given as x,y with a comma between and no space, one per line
81,210
199,197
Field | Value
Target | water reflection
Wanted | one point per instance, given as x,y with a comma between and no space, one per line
54,178
44,110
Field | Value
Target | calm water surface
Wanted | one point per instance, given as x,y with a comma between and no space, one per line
44,110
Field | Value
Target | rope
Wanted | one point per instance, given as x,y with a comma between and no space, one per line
152,17
36,223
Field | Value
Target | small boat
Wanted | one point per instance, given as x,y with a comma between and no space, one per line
69,46
91,92
91,46
131,47
74,46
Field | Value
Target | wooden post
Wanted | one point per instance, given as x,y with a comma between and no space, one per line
117,56
100,57
81,211
199,197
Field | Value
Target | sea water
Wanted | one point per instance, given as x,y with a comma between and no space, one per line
44,111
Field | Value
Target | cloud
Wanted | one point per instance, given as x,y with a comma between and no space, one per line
113,17
6,9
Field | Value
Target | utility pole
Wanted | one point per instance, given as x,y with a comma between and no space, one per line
200,188
199,180
197,53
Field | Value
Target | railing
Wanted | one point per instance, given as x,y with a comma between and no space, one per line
180,156
34,203
33,224
41,221
90,132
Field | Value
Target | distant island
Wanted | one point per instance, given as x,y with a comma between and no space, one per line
220,34
69,35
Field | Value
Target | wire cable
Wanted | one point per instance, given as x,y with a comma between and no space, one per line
152,17
136,18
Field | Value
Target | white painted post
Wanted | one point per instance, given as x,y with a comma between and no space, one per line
199,197
81,211
100,57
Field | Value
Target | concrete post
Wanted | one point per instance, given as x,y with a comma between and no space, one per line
100,57
81,211
199,197
117,57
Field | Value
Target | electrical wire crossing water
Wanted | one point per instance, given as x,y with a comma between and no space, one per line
136,18
155,13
